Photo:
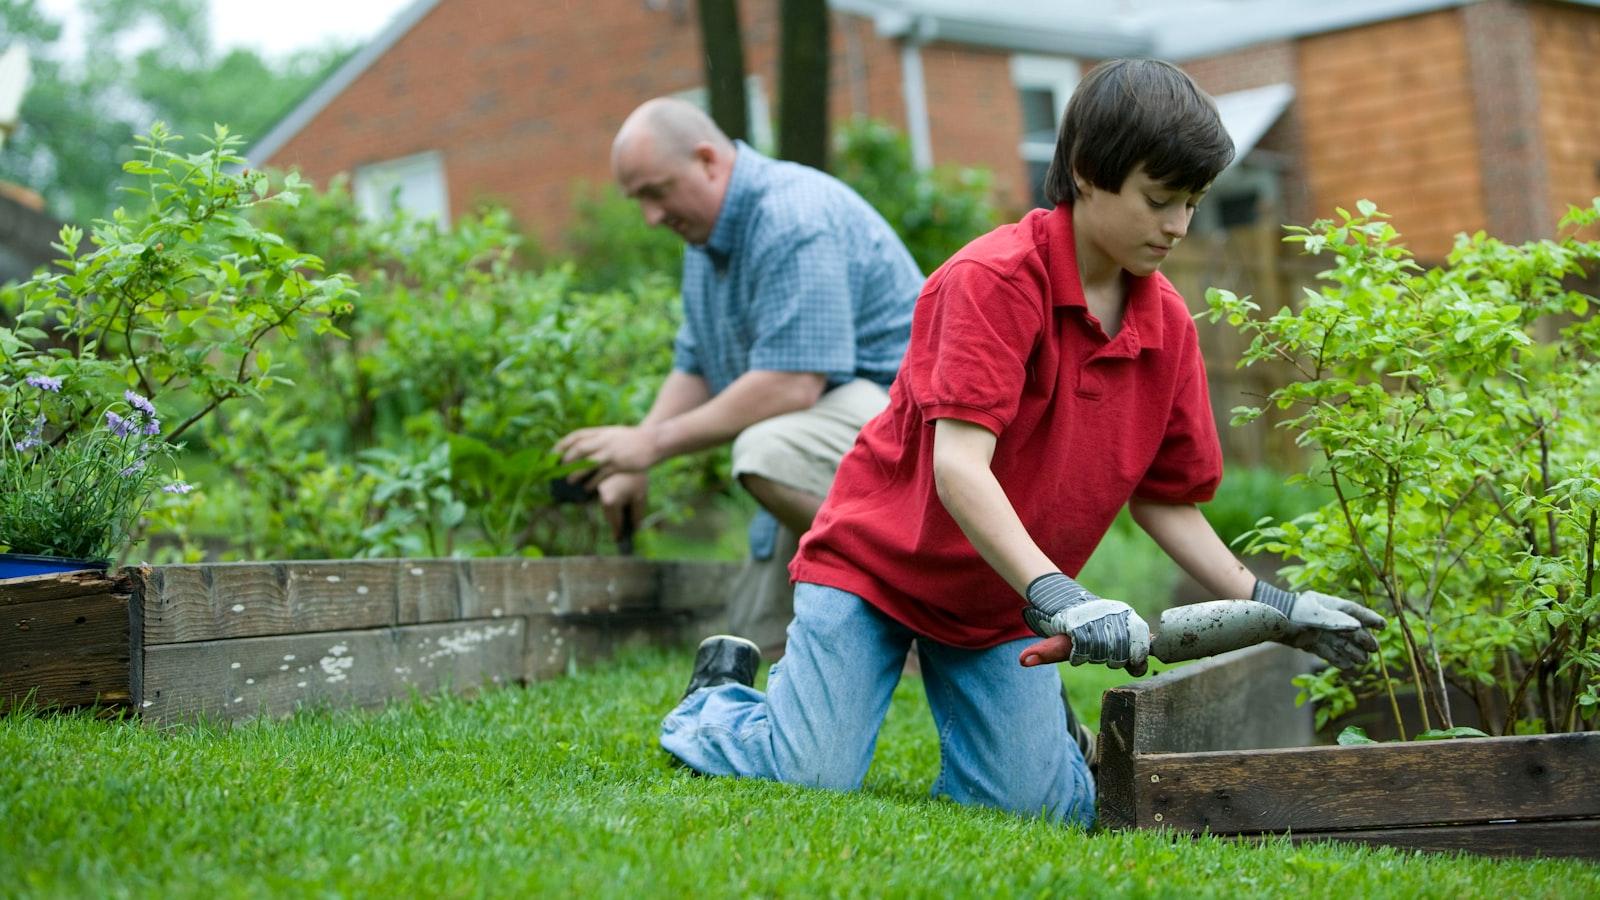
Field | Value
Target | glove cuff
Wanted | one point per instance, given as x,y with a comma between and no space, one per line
1273,596
1053,592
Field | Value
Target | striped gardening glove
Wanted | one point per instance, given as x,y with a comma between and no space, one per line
1102,631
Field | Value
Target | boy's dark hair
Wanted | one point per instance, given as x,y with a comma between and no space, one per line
1131,111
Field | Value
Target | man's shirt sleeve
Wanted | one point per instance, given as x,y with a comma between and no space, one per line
802,320
685,357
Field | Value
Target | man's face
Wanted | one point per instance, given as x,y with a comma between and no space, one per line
683,193
1139,225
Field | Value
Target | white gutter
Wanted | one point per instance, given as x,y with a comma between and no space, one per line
915,90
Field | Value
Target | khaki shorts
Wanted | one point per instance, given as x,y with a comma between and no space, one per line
802,449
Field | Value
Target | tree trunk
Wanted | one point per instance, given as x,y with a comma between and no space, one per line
723,48
803,83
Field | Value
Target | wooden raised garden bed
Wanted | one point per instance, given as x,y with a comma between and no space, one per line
228,641
1219,747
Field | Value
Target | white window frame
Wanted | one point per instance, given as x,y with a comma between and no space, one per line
423,188
1057,74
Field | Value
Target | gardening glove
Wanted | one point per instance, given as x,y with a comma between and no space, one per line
1102,631
1332,628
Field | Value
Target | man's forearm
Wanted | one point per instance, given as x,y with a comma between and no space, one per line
1183,533
678,394
753,397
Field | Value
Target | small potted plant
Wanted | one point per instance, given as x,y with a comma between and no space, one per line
75,476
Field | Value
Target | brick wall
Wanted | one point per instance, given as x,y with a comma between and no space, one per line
1388,115
522,100
1567,42
975,116
1253,67
1505,89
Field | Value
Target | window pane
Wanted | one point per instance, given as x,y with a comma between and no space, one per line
1038,114
1238,209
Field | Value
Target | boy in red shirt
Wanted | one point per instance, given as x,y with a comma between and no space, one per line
1052,377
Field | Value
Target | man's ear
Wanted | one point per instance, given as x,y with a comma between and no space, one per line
705,154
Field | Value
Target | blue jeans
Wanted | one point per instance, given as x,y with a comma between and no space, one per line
1003,739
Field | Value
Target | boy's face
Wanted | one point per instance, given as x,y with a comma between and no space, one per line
1134,228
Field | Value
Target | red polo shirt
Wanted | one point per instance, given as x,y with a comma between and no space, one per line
1002,337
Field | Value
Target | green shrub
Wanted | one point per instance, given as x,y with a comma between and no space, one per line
1461,453
429,431
1249,495
175,300
935,213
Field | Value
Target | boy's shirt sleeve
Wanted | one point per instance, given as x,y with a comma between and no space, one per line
970,343
1188,465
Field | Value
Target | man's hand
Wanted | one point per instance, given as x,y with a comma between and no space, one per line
1100,631
620,492
612,448
1331,627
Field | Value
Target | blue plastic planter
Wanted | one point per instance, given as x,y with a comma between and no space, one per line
20,565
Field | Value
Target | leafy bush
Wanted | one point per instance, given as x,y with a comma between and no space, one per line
1248,496
429,431
935,213
175,302
611,246
1461,452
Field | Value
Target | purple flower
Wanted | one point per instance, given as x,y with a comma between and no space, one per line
139,403
118,425
32,439
178,487
136,468
152,427
45,383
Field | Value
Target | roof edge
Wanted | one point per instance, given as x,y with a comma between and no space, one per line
298,118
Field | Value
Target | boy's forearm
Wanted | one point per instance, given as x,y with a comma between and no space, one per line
973,497
1183,533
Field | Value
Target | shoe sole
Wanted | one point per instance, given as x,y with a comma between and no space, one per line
732,637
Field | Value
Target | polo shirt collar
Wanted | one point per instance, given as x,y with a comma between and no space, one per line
1142,327
737,202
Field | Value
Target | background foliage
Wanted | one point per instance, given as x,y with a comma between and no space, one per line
1451,414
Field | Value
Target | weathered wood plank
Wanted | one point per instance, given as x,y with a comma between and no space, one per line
608,584
702,587
61,585
244,677
1465,781
429,590
1234,701
1578,838
510,587
216,601
67,651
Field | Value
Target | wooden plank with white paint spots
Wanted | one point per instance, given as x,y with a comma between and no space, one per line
608,584
510,587
216,601
234,679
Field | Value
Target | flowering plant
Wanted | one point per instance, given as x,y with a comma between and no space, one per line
74,490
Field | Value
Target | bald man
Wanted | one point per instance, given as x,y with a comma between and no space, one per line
797,301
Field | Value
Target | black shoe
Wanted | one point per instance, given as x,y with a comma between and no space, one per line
724,659
1083,736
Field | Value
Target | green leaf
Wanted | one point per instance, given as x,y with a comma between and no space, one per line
1352,735
1444,734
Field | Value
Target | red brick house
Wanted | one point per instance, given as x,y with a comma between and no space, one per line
1452,114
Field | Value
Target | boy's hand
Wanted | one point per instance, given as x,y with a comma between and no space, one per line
1102,631
1331,627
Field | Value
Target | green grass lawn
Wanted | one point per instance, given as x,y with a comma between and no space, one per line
559,789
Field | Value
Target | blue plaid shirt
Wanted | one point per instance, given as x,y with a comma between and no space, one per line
799,275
